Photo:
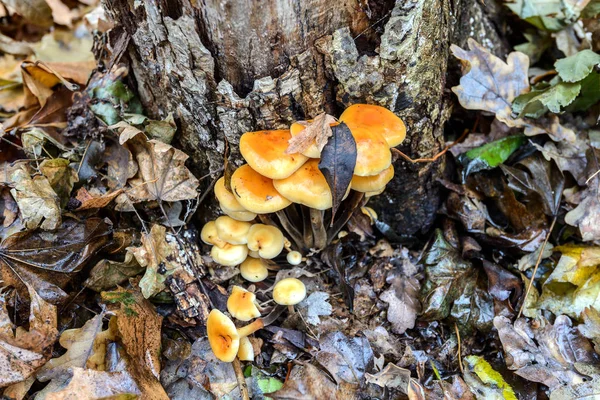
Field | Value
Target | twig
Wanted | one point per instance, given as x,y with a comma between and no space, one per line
460,364
537,264
239,375
434,158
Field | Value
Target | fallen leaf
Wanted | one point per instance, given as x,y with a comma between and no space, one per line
403,303
318,131
486,382
155,255
585,215
106,274
391,376
97,385
120,164
47,261
568,156
89,201
490,84
591,326
23,352
315,305
587,389
61,177
338,159
490,155
554,98
161,130
552,357
38,203
346,359
35,11
61,13
578,66
308,382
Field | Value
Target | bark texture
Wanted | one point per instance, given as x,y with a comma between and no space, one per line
230,66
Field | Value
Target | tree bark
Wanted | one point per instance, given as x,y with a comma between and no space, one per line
225,67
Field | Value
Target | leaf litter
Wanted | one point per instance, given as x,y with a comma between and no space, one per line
106,291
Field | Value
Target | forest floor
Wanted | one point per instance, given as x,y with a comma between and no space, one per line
106,286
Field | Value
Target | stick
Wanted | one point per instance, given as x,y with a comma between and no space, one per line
239,376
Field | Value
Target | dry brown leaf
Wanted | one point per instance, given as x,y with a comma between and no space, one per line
162,174
97,385
154,253
38,203
403,300
308,382
318,131
585,215
90,201
61,14
36,12
61,177
120,165
24,352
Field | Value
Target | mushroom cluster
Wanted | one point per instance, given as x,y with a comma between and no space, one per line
246,244
272,179
228,341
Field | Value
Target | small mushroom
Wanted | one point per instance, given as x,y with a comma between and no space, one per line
246,350
254,269
264,151
226,198
266,239
241,304
256,192
377,119
232,231
294,257
209,235
289,291
372,183
230,254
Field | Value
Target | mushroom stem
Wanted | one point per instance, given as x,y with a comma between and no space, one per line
318,229
307,229
251,328
241,380
291,309
291,230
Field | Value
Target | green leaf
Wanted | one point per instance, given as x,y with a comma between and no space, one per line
488,381
536,109
535,46
591,10
555,98
269,385
589,95
578,66
490,155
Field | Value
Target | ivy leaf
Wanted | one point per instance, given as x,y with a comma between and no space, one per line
338,160
578,66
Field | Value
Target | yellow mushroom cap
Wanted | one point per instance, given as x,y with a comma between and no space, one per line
377,119
289,291
375,193
241,304
294,257
222,336
245,351
231,230
266,239
254,269
252,253
369,212
306,186
245,216
256,192
373,154
230,254
209,235
226,198
372,183
265,152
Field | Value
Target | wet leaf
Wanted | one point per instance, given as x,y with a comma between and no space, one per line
97,385
61,177
318,131
588,389
38,203
106,274
490,155
403,303
473,309
391,376
315,305
89,201
23,352
490,84
47,261
578,66
591,326
484,381
155,255
338,159
585,215
161,130
446,276
552,357
346,359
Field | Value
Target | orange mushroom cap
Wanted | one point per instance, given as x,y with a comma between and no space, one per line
372,183
231,230
376,119
306,186
266,239
256,192
265,152
241,304
222,335
226,198
373,154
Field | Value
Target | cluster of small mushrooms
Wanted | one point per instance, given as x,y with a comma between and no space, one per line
271,182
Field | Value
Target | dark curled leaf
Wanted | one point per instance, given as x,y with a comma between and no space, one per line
332,256
338,159
47,260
